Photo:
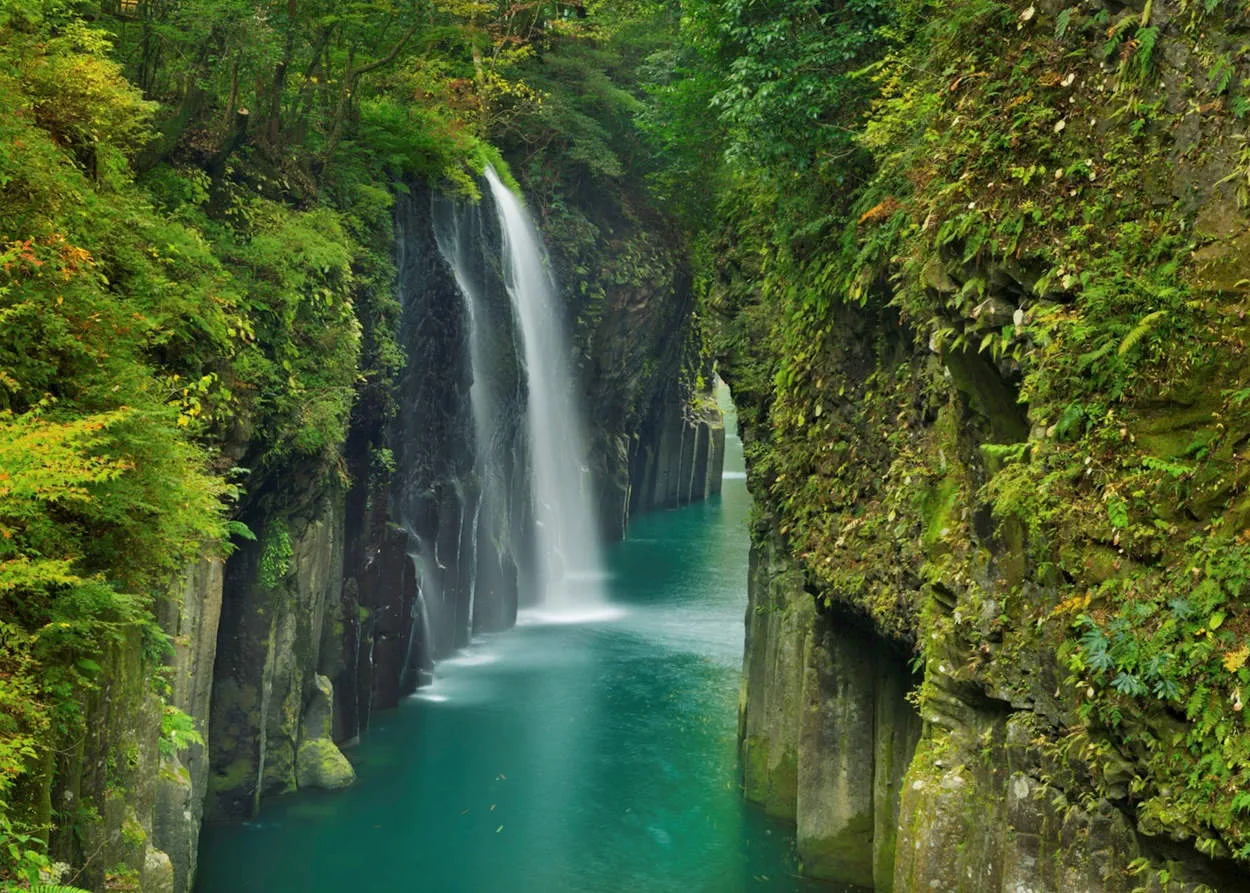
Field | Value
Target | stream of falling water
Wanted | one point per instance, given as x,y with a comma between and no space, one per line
570,566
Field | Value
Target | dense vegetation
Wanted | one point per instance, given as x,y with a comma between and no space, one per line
977,309
195,290
902,214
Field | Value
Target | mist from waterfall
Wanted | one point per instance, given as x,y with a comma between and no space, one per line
570,565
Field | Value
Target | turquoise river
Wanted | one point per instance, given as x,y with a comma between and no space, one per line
555,758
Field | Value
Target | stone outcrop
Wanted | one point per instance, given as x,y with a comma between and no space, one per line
136,791
280,629
825,725
191,618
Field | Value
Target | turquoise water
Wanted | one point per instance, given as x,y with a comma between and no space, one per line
555,758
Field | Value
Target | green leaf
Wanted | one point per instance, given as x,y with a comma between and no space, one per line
241,530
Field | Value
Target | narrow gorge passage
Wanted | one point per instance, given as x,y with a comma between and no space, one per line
555,757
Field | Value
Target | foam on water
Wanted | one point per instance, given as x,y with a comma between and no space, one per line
573,616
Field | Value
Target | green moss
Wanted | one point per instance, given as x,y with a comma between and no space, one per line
771,778
133,834
936,505
232,776
322,765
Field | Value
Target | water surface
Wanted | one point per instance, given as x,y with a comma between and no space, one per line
555,758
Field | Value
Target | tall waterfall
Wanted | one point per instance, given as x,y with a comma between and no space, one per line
570,567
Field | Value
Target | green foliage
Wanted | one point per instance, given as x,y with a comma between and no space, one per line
1166,638
178,731
791,87
275,554
166,288
577,127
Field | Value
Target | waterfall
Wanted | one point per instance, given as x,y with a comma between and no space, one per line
533,511
570,569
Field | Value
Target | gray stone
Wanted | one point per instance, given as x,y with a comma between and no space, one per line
191,617
157,875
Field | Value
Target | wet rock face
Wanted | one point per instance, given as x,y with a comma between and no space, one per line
434,487
346,599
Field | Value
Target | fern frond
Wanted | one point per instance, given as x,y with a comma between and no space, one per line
1141,330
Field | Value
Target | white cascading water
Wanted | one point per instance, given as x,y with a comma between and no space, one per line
570,563
452,245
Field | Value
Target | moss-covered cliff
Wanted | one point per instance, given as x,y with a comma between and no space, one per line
992,400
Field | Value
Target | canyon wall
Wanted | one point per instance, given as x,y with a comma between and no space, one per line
999,539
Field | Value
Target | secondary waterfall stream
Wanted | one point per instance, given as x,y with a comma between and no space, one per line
565,758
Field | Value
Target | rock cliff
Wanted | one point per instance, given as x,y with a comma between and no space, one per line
1006,460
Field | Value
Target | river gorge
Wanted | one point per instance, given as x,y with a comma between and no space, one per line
603,445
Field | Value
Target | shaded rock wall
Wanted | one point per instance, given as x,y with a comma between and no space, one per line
680,454
280,627
628,292
436,492
826,730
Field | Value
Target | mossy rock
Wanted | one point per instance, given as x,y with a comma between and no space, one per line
320,764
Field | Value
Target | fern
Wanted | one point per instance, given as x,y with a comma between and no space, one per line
1141,330
1222,74
1143,58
